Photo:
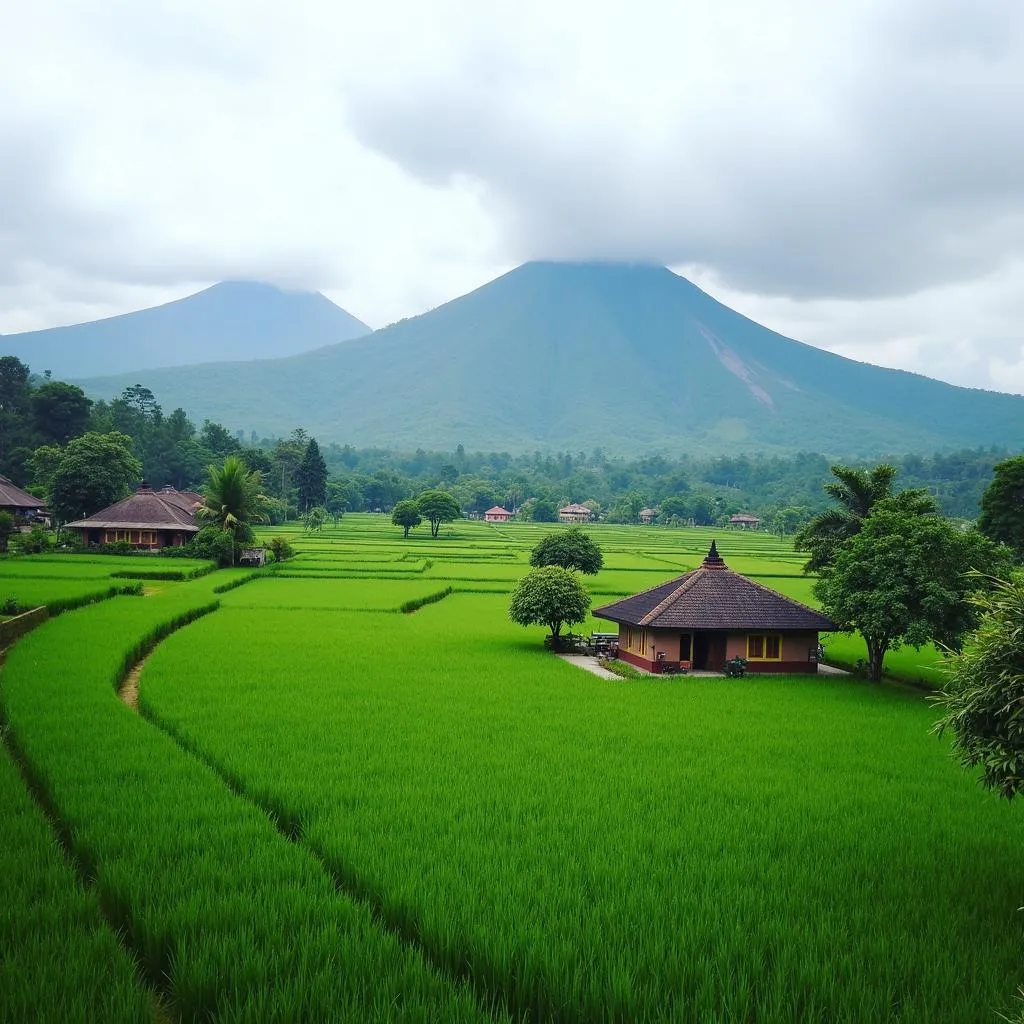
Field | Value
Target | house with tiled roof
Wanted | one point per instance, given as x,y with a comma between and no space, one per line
708,616
497,515
648,515
745,521
146,519
18,502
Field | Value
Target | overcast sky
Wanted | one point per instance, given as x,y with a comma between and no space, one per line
848,173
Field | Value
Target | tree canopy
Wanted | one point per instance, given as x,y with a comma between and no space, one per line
1002,506
311,477
571,549
407,515
233,500
437,507
983,698
549,596
903,578
90,473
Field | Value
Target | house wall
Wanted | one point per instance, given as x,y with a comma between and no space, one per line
641,647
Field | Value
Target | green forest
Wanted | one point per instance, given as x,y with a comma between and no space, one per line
39,416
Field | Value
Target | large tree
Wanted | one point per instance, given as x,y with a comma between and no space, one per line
1002,506
233,500
571,549
437,507
60,411
549,596
904,578
94,471
983,698
406,514
311,477
856,492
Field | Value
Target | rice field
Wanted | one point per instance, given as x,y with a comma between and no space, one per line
330,810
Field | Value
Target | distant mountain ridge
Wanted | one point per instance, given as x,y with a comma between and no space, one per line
558,356
229,321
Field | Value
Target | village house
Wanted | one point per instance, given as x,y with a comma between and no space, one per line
497,515
648,515
746,522
707,617
23,506
574,514
146,519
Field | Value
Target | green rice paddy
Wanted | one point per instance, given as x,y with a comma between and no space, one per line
329,810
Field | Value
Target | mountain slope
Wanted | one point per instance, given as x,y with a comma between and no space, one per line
231,320
569,356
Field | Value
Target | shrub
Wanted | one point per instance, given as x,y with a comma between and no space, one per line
35,542
213,543
280,549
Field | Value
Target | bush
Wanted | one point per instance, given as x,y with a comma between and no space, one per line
213,543
36,542
280,549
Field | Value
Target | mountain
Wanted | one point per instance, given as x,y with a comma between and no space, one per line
570,356
232,320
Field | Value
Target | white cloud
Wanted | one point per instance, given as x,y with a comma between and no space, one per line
847,173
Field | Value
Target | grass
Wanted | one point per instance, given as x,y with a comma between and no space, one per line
769,849
336,811
59,961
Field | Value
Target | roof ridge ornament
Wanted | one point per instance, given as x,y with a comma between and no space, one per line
714,560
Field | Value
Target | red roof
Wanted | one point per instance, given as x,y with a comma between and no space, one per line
497,511
714,597
167,509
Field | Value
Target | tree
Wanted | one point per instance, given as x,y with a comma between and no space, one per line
94,471
984,694
904,578
407,515
311,477
437,507
673,508
315,519
1002,506
549,596
571,549
7,527
60,411
233,500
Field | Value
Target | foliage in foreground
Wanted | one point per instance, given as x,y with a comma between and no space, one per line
983,699
549,596
571,549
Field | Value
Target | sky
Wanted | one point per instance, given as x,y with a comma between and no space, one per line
850,174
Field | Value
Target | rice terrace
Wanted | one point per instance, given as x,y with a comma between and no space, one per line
354,790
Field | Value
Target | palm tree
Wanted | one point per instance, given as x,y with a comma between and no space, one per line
233,500
857,491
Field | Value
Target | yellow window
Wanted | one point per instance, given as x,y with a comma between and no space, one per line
761,647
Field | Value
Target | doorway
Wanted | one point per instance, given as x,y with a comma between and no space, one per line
709,651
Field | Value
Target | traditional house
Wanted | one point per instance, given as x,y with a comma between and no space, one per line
745,521
648,515
497,515
711,615
574,514
19,503
146,519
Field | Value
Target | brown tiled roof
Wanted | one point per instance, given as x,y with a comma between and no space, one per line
744,517
714,597
146,509
12,496
575,508
497,511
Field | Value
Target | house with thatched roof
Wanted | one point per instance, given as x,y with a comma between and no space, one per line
708,616
146,519
648,515
574,513
745,521
18,502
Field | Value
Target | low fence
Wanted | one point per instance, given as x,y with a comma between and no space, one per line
14,629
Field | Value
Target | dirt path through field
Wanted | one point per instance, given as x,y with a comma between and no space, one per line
129,689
